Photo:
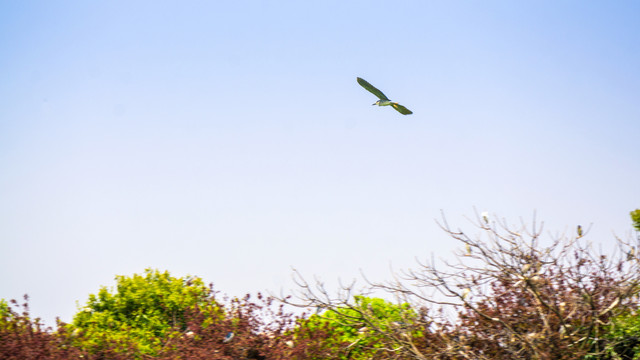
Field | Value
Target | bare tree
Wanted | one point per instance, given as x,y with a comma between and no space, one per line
509,294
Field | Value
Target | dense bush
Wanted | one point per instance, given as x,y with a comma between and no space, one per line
250,329
23,338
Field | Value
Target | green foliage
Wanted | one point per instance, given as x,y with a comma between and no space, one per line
140,314
6,316
623,336
5,311
635,217
360,330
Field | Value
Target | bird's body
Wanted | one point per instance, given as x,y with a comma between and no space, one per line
384,100
384,103
228,337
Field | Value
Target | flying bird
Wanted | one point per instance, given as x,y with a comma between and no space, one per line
384,100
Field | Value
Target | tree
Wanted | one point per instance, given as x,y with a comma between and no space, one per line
361,327
140,314
508,295
348,326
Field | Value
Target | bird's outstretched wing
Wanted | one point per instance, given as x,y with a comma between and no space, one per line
401,109
372,89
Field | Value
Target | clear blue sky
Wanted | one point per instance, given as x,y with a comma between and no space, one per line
230,140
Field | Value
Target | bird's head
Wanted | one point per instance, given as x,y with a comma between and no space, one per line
376,103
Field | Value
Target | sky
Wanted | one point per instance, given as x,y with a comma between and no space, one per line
231,141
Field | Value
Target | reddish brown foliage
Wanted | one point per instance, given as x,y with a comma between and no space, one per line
23,338
261,330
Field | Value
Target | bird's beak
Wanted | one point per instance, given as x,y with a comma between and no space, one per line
373,104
